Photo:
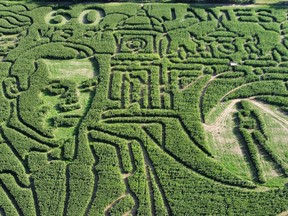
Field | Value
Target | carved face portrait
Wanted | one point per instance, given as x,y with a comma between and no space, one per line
59,105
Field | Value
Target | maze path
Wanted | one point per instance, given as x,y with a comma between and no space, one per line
81,140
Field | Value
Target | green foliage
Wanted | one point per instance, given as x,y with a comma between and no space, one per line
276,88
129,137
91,17
274,100
54,177
263,142
247,122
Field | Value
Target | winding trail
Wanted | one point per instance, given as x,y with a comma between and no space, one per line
108,207
220,121
283,122
235,89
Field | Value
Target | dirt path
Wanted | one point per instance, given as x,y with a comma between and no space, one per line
220,121
114,202
126,175
284,213
283,122
189,85
127,213
234,89
225,142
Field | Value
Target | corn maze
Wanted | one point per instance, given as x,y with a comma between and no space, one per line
105,109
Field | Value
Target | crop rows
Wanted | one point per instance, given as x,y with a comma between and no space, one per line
126,137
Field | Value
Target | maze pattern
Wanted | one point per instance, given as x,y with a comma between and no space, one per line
126,137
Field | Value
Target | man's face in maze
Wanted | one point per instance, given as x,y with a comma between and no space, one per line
60,103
